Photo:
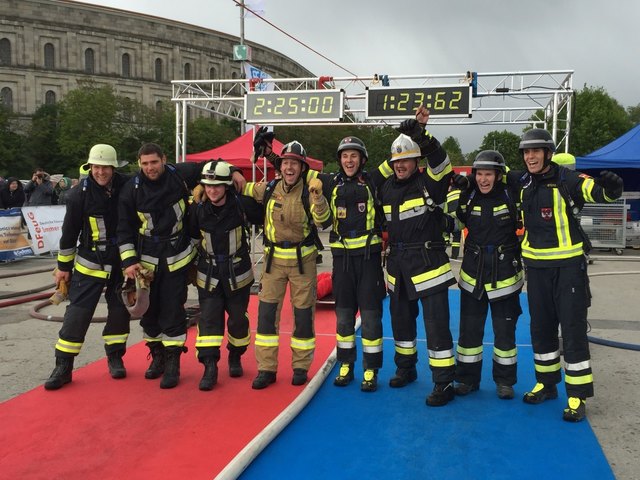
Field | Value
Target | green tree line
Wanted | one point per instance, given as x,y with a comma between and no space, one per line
59,137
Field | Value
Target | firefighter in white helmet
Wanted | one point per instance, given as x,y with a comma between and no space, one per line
219,226
417,265
88,261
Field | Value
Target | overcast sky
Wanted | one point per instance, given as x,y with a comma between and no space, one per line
402,37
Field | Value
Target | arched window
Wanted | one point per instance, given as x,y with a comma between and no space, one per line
50,97
5,51
89,61
6,97
49,56
187,71
126,65
159,107
158,69
212,73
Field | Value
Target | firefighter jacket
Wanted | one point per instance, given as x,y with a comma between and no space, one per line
290,222
491,261
550,203
221,235
357,215
153,218
415,220
89,228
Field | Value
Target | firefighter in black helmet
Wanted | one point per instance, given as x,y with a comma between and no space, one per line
356,245
490,276
553,251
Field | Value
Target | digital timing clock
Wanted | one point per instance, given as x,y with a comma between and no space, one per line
293,106
399,103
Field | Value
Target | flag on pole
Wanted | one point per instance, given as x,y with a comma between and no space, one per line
255,5
254,72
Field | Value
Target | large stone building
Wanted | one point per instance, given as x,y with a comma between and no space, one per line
48,46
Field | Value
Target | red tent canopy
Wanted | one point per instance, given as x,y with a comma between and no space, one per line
238,153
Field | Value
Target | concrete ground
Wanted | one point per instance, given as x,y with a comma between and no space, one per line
26,346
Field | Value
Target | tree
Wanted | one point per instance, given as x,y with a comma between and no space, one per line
634,114
13,161
505,142
452,147
42,141
207,133
598,119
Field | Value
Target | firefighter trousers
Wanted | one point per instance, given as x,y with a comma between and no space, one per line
213,306
504,316
84,295
435,313
166,318
358,284
560,296
302,287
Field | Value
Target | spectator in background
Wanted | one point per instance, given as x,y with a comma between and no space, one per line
39,190
61,190
12,194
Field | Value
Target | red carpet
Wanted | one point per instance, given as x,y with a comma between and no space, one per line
99,428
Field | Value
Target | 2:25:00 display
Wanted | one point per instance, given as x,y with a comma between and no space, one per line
291,105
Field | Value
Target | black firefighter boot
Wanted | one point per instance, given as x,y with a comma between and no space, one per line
210,376
116,365
61,374
235,364
156,352
172,366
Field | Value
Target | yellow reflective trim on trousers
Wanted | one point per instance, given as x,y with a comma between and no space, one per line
239,342
581,380
551,253
266,340
441,362
113,339
505,353
91,272
68,347
303,343
290,253
209,341
547,368
406,351
507,282
347,338
467,278
371,343
469,351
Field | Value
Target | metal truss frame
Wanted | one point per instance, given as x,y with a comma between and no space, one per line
538,98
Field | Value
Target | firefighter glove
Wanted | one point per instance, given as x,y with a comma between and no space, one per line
262,142
412,128
315,190
462,182
448,223
198,194
611,183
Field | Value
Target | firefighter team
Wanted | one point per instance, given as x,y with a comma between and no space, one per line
142,232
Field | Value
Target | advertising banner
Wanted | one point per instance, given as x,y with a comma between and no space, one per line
13,239
45,227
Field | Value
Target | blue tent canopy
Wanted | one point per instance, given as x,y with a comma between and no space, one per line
622,156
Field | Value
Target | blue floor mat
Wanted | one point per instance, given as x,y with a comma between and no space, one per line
391,434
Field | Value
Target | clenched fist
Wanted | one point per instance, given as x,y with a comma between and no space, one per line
315,190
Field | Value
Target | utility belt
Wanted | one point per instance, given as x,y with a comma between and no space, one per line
496,252
422,247
100,245
350,234
220,259
311,239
